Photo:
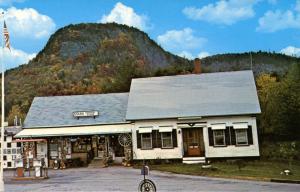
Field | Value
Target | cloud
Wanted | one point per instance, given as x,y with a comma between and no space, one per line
28,23
273,21
292,51
186,54
203,54
222,12
15,57
190,56
123,14
178,40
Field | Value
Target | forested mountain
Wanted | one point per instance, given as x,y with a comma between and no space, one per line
101,58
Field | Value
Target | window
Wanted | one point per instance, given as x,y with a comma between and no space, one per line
8,164
166,139
146,140
4,138
219,137
8,151
241,137
8,145
4,151
18,151
14,151
19,144
4,157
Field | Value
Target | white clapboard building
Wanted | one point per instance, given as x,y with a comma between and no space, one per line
11,150
191,117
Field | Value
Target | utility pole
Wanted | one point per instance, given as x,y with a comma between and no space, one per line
251,60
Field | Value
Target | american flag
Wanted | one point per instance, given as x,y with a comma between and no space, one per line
6,36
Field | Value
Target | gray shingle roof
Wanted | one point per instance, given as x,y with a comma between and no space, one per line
58,110
208,94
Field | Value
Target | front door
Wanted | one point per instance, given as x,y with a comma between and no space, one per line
193,142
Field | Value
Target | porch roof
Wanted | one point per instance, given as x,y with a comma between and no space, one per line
57,111
74,131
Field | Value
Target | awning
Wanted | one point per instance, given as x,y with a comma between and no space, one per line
165,129
218,126
29,140
145,129
240,125
74,131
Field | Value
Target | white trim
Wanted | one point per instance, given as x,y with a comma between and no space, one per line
240,125
69,131
145,129
220,126
165,129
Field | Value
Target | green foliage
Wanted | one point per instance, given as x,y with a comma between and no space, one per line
280,103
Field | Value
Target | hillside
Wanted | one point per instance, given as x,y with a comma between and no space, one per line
101,58
262,62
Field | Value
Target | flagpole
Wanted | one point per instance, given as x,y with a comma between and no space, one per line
2,116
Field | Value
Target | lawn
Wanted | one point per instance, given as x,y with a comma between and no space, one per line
254,170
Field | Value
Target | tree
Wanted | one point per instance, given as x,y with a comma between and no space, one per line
15,111
266,84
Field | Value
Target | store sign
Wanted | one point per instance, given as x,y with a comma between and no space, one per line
78,114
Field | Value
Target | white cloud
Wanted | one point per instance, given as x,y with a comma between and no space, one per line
123,14
28,23
189,55
186,54
15,57
203,54
178,40
225,12
292,51
279,20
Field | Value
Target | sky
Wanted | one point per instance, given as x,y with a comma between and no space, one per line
189,28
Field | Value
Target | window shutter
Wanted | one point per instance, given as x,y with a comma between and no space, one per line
210,137
138,139
232,134
154,138
158,139
227,136
174,137
250,137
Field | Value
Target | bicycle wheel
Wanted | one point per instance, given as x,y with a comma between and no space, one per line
147,186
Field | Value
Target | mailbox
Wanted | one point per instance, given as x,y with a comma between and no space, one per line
145,170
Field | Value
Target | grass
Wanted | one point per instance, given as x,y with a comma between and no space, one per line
255,170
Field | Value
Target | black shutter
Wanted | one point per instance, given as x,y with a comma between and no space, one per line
232,134
210,137
250,137
138,139
227,136
154,138
174,137
158,139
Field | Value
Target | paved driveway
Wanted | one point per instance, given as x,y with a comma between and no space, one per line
127,179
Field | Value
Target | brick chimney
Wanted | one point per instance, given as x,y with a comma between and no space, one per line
197,66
